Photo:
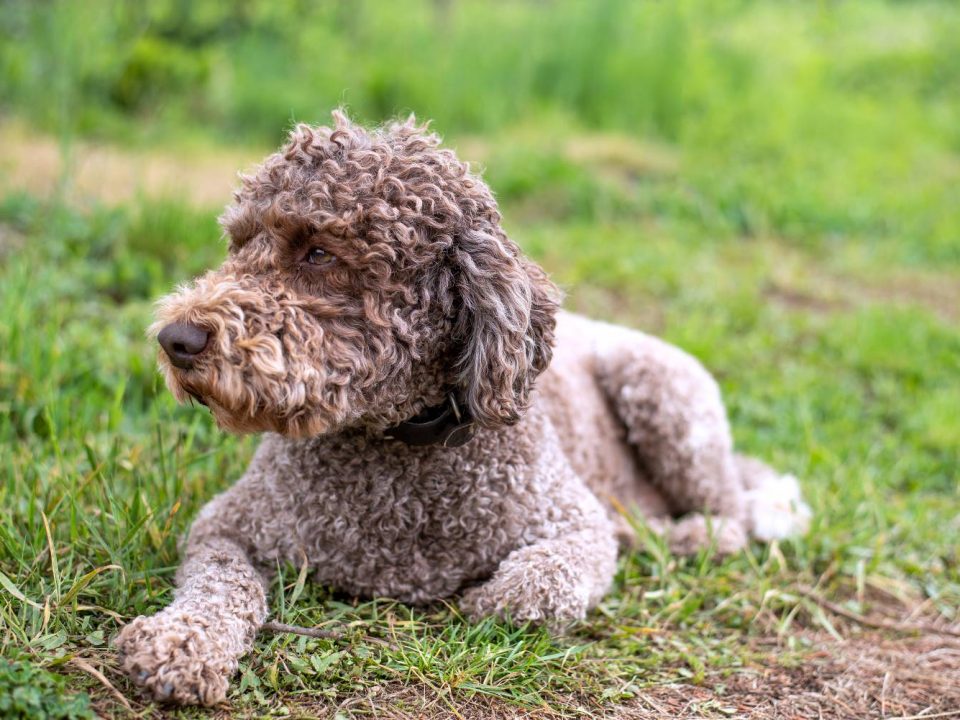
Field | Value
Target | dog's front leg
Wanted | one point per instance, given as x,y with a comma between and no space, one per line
566,568
187,652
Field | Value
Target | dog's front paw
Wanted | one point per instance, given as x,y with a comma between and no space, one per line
177,657
544,589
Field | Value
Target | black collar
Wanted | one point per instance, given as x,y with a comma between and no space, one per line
447,424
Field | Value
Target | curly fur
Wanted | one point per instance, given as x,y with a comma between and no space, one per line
424,294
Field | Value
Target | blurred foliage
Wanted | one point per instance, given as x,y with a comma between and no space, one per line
797,120
666,69
28,692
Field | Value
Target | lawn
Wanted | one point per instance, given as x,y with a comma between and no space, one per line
773,187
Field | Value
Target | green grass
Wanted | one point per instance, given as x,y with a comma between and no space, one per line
858,400
772,187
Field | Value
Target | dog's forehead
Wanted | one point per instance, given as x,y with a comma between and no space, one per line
321,184
393,193
296,205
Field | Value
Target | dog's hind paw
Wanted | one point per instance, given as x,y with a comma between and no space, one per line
777,510
774,503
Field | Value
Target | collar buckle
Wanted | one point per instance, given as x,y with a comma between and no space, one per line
447,425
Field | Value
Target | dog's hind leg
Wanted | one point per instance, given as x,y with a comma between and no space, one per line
676,421
187,652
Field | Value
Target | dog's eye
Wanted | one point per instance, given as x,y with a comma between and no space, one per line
318,256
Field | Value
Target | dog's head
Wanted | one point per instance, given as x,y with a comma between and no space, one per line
367,278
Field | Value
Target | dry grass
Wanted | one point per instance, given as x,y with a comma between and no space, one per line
113,176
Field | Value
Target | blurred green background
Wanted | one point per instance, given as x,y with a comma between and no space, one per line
771,185
811,121
802,119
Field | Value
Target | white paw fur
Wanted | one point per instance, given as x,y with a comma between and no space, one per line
776,508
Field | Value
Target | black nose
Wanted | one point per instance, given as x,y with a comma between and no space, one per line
182,343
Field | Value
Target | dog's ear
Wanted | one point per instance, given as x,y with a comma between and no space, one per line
504,326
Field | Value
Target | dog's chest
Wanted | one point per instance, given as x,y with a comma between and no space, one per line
415,526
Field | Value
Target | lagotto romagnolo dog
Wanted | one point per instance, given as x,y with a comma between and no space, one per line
434,424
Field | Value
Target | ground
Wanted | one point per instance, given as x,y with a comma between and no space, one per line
817,358
773,187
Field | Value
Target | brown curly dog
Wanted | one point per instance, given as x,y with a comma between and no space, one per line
375,321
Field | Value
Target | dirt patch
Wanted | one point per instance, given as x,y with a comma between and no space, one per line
387,702
635,309
104,173
204,178
798,300
939,293
870,677
621,159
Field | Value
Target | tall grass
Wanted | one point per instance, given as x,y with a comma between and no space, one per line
667,69
824,122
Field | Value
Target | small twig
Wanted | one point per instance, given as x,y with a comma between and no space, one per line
921,716
879,623
279,627
883,693
91,670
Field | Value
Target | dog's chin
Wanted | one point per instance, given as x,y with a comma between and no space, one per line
299,427
253,416
238,423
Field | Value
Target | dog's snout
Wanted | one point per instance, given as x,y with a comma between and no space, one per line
182,343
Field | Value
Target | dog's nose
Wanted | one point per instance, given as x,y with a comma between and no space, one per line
182,343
